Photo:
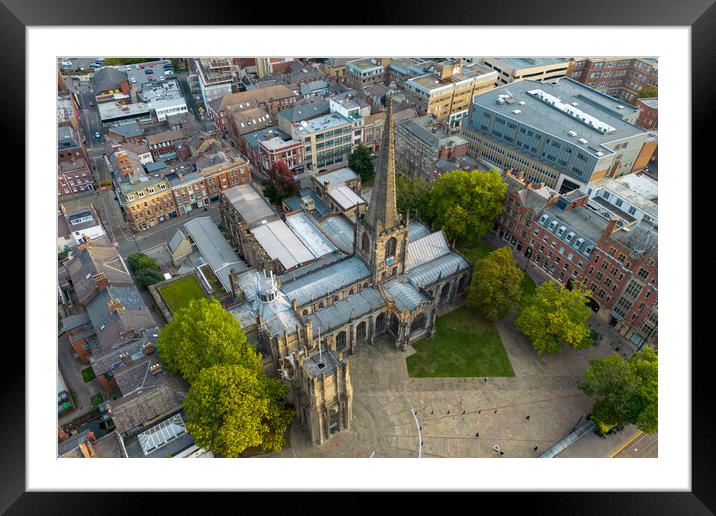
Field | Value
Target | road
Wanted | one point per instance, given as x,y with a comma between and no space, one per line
642,446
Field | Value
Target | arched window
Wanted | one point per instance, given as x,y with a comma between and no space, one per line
380,321
418,323
365,284
462,283
394,324
341,340
365,243
305,313
360,332
350,292
390,247
444,292
320,305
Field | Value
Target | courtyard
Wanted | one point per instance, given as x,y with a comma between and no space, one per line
459,416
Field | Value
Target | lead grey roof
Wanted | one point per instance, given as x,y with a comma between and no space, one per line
429,272
341,230
215,249
320,283
177,239
310,235
282,244
324,357
337,177
340,312
107,78
250,205
405,296
425,249
127,130
583,222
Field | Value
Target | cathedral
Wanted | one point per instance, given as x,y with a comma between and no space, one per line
312,319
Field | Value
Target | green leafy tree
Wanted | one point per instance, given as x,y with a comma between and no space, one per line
411,196
648,92
281,183
115,61
201,335
361,163
496,284
466,204
231,408
147,276
138,261
626,391
555,315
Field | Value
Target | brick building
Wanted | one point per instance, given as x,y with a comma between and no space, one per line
364,72
622,77
74,177
615,258
649,115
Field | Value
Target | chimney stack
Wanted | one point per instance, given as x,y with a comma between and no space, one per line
101,280
115,305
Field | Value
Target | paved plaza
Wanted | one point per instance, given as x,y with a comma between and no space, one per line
459,417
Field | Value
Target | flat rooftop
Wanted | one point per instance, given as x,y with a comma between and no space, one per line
336,177
548,118
249,203
114,110
345,197
531,62
365,64
320,123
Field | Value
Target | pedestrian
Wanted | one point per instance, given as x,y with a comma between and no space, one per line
479,411
463,411
502,453
432,412
535,448
477,434
495,412
527,418
448,411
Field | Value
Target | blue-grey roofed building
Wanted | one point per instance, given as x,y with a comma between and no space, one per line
319,284
352,307
306,200
564,135
340,230
214,248
314,89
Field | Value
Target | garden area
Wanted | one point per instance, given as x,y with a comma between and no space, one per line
477,251
464,345
177,294
88,374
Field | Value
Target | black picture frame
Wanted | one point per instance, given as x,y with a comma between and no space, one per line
700,15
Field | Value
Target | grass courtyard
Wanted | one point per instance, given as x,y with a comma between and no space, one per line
477,251
528,287
178,293
464,344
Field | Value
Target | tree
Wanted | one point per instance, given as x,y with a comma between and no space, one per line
627,391
553,316
361,163
138,261
496,284
411,196
281,183
146,276
231,408
648,92
466,204
201,335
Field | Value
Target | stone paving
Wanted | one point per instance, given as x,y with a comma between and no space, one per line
459,417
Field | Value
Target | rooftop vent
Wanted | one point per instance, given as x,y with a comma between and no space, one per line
572,133
516,111
582,140
522,103
620,106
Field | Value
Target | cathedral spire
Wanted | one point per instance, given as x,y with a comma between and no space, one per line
382,208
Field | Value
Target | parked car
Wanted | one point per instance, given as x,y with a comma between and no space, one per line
97,135
133,80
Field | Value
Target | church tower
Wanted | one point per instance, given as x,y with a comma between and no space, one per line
381,233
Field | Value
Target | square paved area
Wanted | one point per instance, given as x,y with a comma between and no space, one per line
451,411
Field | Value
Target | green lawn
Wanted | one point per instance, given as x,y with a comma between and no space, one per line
464,344
87,374
476,252
528,287
178,293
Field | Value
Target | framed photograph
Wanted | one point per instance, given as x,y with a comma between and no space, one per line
311,253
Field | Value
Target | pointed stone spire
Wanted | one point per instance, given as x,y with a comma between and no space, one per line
382,209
